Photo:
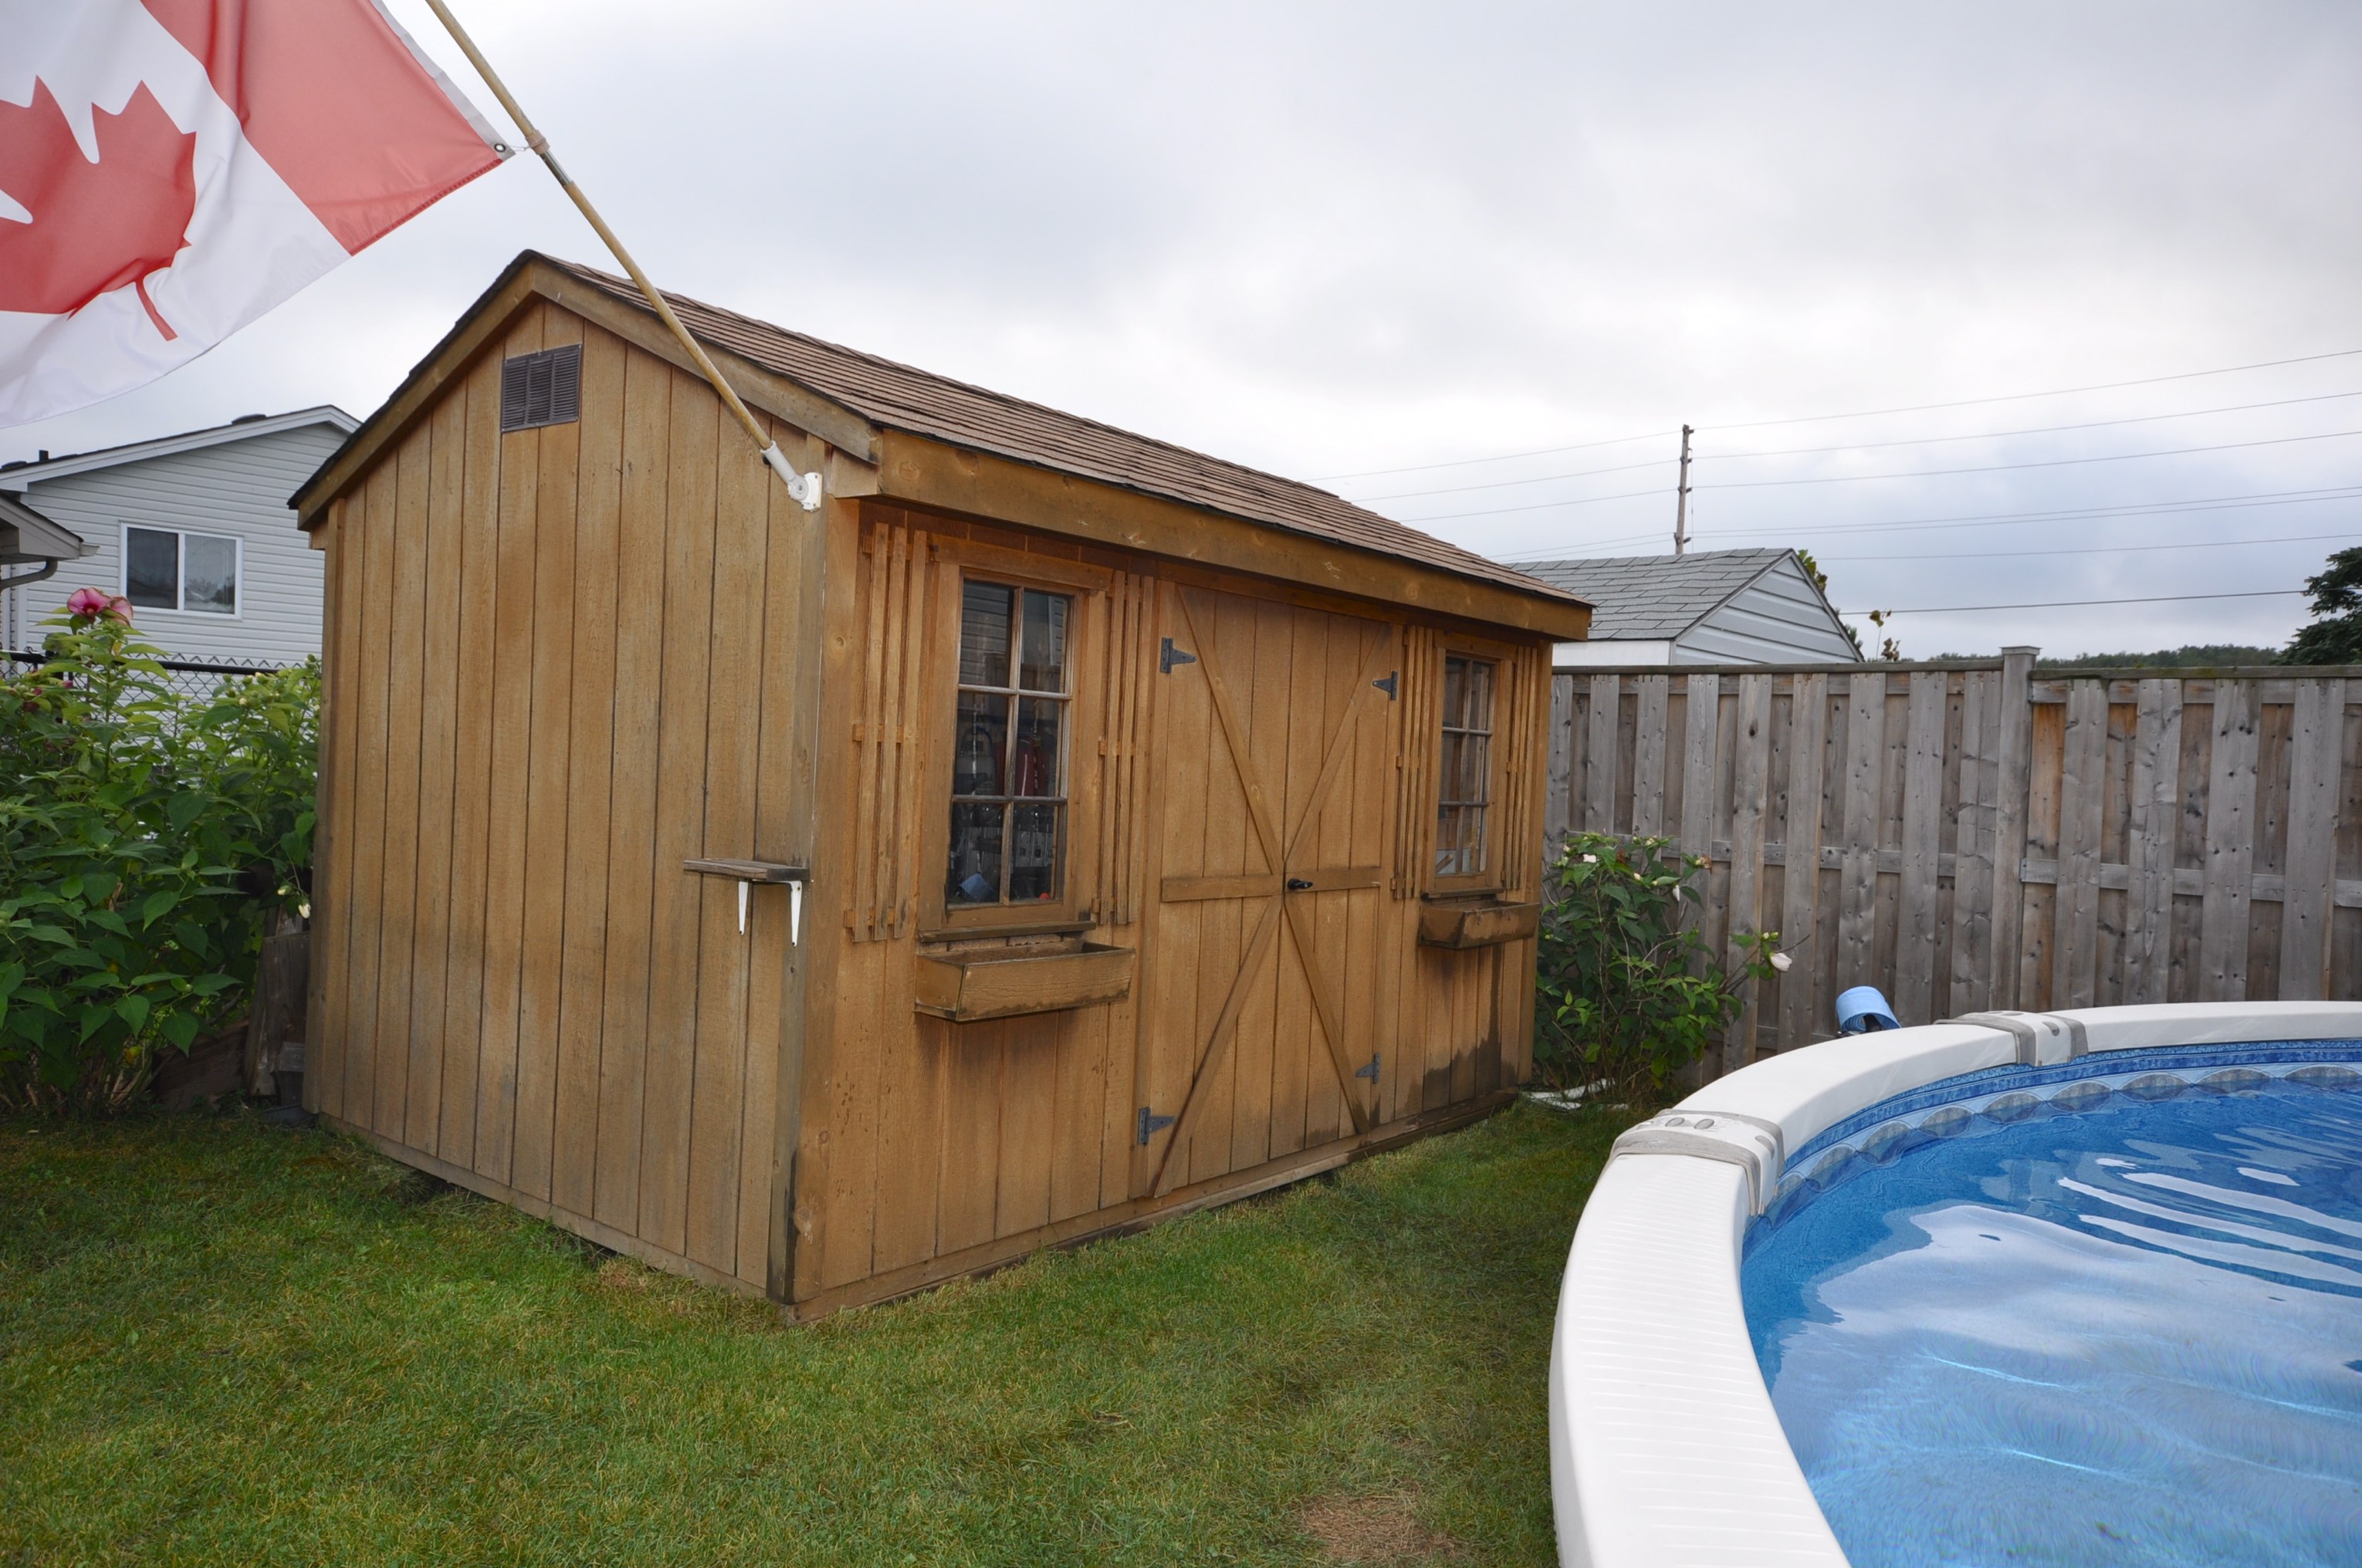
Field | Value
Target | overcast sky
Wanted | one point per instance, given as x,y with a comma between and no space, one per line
1332,239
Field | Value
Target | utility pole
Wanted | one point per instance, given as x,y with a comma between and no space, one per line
1682,500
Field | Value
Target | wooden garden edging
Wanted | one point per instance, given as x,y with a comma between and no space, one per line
1984,835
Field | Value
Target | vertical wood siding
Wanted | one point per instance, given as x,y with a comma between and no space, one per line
1981,836
549,656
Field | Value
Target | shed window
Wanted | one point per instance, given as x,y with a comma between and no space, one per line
164,568
1466,792
541,389
1008,755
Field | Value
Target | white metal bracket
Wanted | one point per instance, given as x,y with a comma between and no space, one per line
803,488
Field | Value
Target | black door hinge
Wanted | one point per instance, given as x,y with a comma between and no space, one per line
1172,656
1151,1124
1387,685
1370,1071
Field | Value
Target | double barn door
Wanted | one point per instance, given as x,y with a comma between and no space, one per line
1268,994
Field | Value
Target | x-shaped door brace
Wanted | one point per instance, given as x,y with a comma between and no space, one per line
1279,885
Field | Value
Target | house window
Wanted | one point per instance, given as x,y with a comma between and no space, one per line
164,568
1008,752
541,389
1466,792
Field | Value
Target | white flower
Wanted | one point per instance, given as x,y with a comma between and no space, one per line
1783,962
1591,859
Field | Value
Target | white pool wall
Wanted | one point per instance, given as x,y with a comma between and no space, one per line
1665,1451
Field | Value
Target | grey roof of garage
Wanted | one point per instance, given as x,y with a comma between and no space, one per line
1651,597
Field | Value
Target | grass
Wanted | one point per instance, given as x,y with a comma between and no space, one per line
222,1341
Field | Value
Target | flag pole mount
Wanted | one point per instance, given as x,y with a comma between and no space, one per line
804,489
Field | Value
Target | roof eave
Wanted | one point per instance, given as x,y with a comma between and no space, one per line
533,275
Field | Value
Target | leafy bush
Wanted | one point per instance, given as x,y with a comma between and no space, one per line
147,842
1629,995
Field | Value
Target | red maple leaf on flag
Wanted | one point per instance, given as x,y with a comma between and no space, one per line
96,227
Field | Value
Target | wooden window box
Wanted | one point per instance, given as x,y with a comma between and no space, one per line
1477,924
1004,982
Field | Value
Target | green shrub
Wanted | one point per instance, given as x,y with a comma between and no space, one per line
147,842
1630,994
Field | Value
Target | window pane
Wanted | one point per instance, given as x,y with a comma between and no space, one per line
985,609
1479,695
1035,768
210,582
1455,692
152,568
1044,656
1032,852
975,855
979,758
1476,757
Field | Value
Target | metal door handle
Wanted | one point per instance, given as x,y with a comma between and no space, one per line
1299,884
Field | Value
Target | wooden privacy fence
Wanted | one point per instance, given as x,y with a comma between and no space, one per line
1984,836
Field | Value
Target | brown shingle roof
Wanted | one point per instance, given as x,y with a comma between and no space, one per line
898,396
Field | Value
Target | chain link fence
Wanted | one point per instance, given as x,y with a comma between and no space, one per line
188,678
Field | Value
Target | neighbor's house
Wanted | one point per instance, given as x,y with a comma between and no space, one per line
194,530
1709,607
1114,829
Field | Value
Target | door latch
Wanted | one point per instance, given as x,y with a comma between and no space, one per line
1370,1071
1299,884
1151,1124
1171,656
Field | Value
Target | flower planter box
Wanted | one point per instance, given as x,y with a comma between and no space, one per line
1479,924
1004,982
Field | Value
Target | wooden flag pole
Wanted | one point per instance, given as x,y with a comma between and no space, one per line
804,488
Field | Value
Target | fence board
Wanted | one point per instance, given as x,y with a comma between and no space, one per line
2082,792
1971,981
1751,784
2315,739
2230,845
2154,810
1800,831
1599,756
1648,741
1705,705
1923,821
1857,832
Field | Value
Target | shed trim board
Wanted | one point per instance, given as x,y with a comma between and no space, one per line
571,667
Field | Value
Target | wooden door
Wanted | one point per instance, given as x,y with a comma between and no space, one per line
1265,996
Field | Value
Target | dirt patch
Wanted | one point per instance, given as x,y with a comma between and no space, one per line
1381,1529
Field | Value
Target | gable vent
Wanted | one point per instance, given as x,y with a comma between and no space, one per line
541,389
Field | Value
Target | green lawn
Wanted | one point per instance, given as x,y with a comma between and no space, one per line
227,1343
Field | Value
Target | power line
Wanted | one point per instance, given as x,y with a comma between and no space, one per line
2036,430
2094,549
1860,413
1504,457
1538,506
2056,392
1862,447
2195,507
2086,604
2142,508
1505,484
2045,462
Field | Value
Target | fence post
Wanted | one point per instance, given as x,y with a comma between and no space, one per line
2013,777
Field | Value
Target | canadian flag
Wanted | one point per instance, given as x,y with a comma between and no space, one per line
170,170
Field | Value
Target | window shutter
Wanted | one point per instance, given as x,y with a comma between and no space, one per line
542,389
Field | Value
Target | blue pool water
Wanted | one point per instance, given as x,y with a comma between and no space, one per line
2127,1332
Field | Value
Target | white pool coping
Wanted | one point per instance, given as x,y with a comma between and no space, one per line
1665,1451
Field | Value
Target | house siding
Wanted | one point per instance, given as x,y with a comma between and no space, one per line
1777,619
236,487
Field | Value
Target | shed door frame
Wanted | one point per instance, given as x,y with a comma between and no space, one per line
1281,886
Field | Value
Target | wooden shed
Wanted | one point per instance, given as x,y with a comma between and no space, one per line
1053,830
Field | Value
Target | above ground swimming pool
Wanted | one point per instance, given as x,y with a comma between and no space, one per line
2022,1288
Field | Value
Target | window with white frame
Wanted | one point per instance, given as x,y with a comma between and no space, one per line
167,568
